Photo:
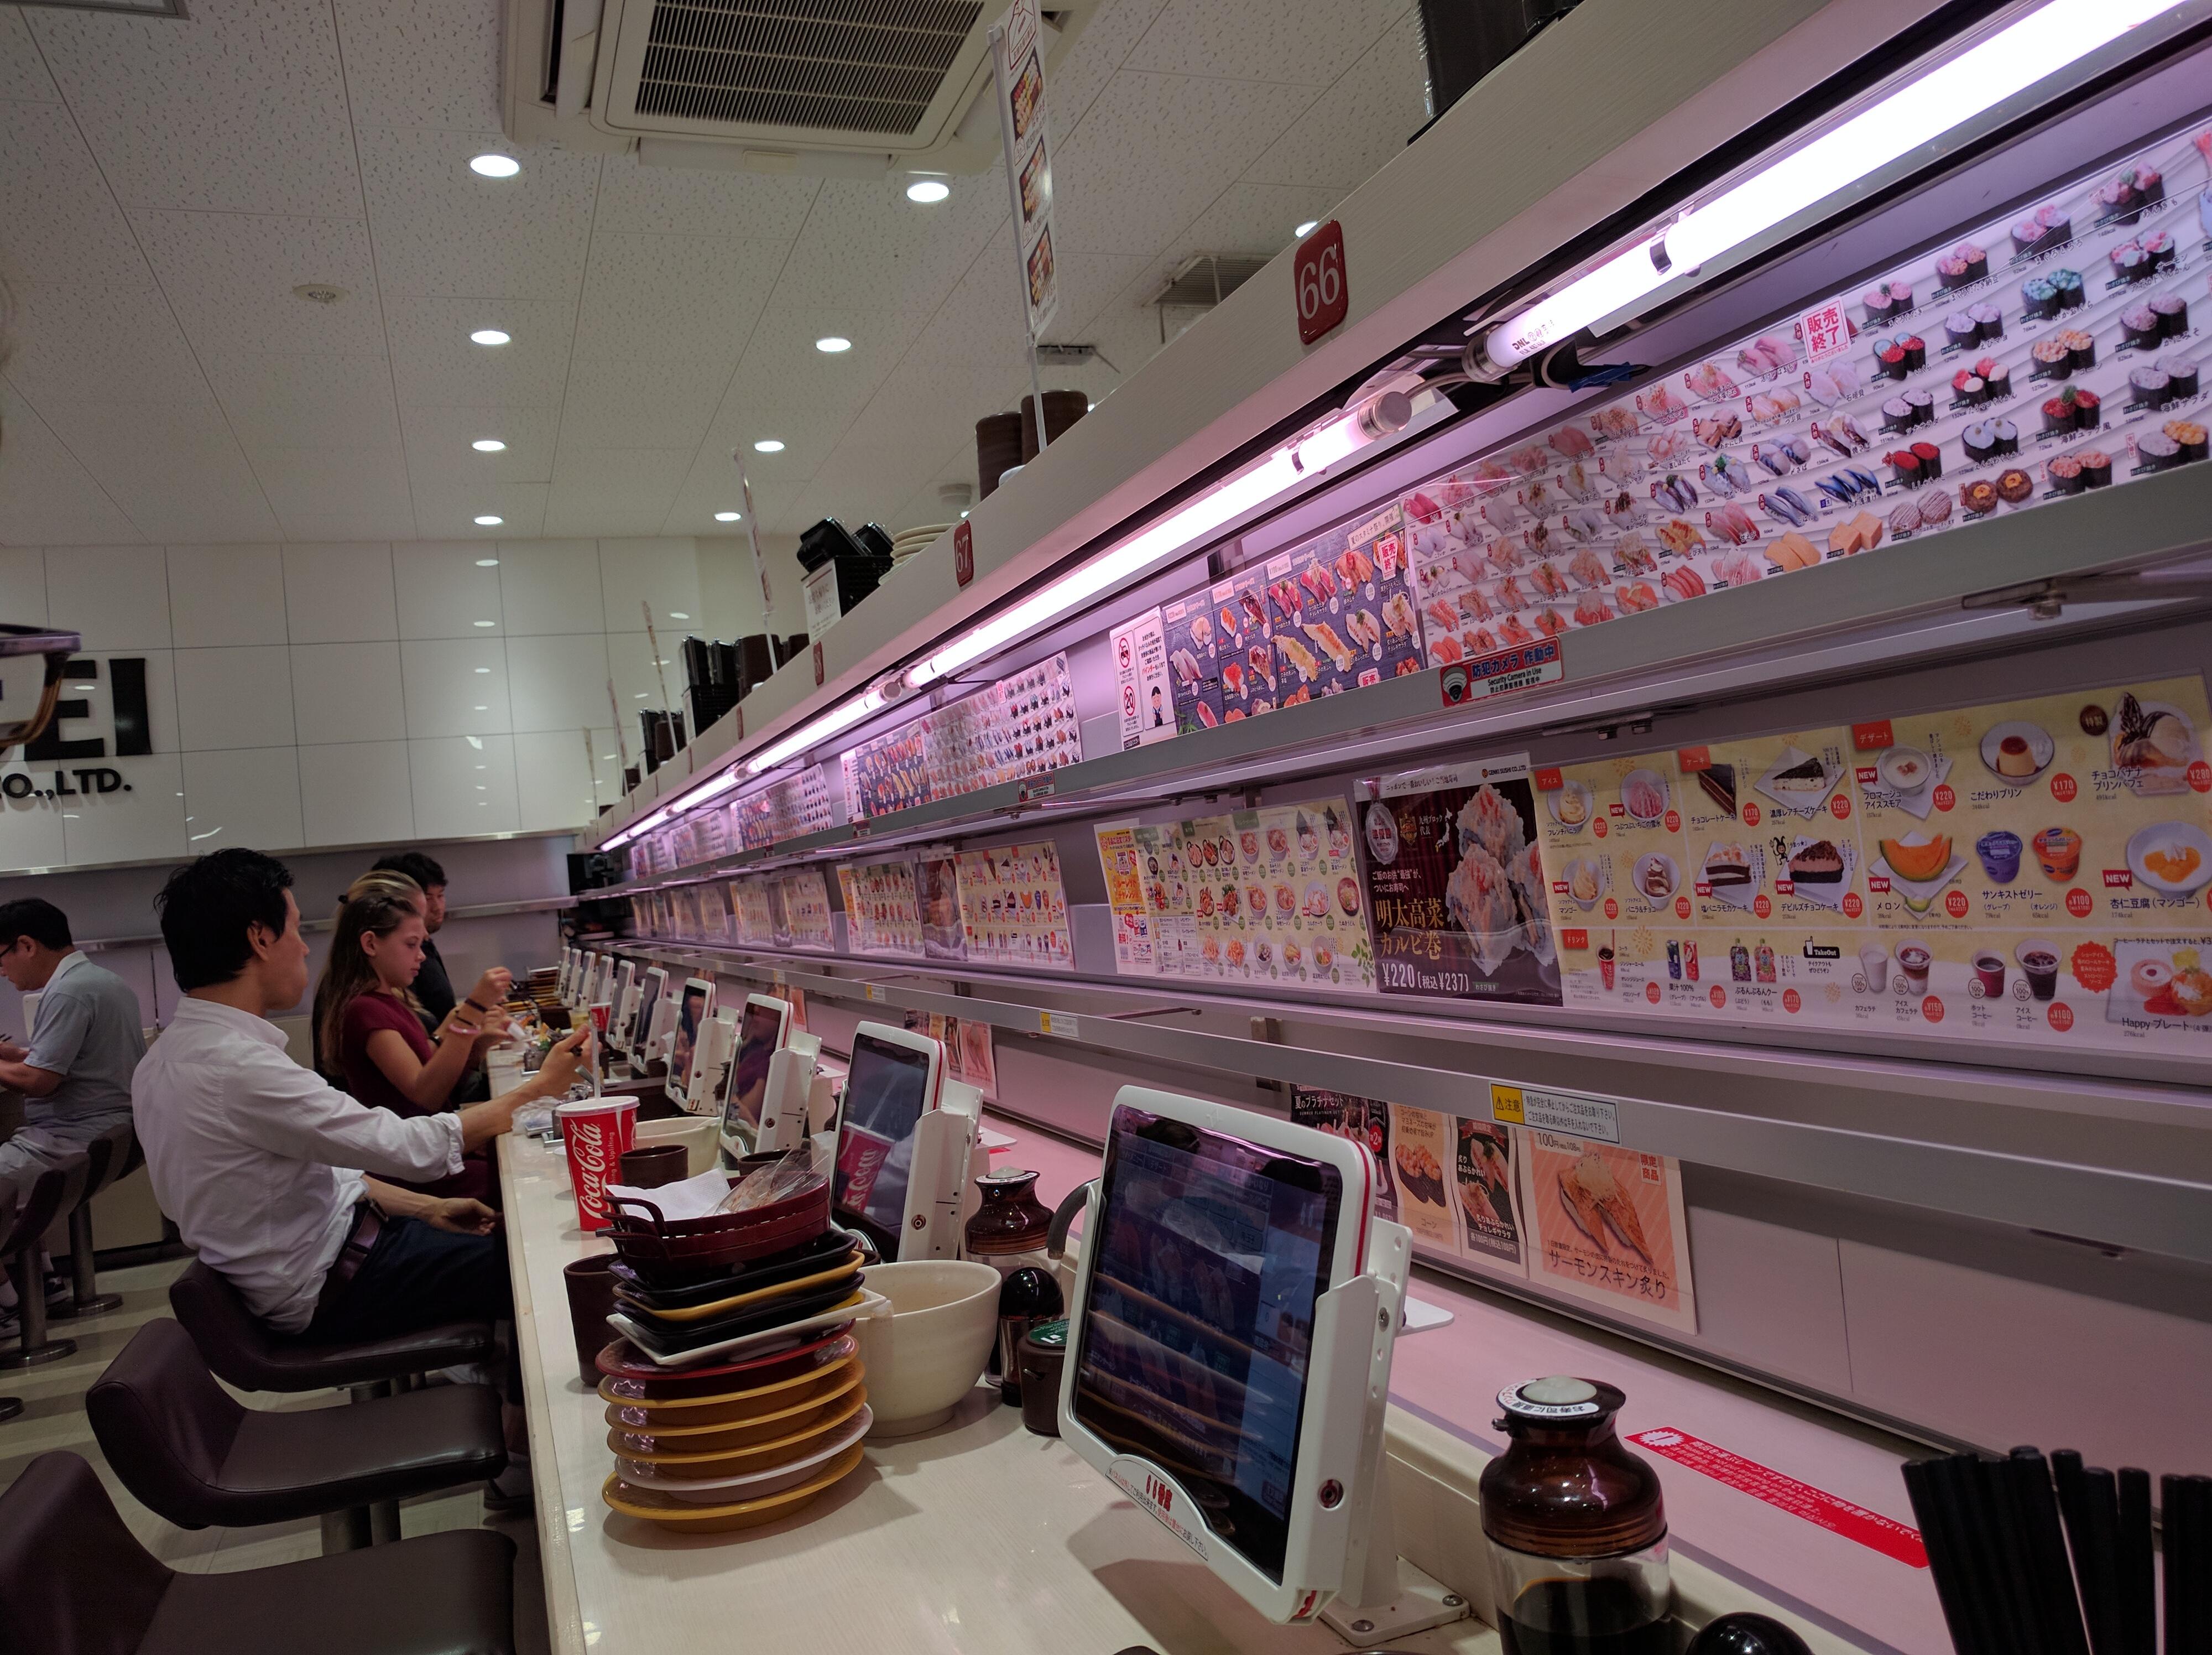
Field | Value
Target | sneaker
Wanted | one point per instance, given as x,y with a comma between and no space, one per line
509,1494
61,1292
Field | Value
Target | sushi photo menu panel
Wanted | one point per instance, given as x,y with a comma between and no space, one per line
1609,1226
2036,871
882,915
1013,909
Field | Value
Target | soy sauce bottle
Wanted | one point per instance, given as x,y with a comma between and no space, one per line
1576,1527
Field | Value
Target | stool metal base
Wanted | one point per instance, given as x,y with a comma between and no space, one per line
53,1350
345,1531
10,1407
97,1304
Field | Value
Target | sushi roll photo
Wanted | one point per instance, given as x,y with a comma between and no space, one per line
2072,296
2038,298
2150,388
2139,327
1921,405
1962,266
1988,320
2053,361
2181,375
2172,313
2064,474
1996,376
2188,436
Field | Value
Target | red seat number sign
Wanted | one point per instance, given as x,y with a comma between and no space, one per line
1317,278
964,553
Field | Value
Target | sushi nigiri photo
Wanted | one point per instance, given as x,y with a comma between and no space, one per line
1572,442
1367,631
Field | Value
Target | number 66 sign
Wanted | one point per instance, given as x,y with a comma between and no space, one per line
1318,282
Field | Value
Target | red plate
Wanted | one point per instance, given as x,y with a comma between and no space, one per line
622,1364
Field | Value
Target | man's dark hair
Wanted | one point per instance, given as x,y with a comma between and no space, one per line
207,906
422,869
36,918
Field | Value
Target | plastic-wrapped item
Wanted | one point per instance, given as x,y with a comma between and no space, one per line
799,1172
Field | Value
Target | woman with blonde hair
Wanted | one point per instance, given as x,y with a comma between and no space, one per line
368,1029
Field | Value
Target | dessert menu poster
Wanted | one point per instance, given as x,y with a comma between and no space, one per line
1454,884
882,915
936,895
2037,871
1607,1226
806,909
1013,908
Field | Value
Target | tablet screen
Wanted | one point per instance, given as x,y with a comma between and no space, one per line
758,1035
690,1018
648,996
885,1092
1197,1339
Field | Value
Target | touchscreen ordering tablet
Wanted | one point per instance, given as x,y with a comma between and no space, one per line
892,1080
649,997
760,1023
1196,1343
691,1014
618,1001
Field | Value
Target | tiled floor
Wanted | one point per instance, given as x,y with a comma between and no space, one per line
53,1417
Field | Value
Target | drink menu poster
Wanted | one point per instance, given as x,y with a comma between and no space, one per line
882,915
1607,1226
1455,882
1013,909
2034,872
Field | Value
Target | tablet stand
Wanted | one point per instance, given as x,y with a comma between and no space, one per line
787,1099
940,1180
710,1064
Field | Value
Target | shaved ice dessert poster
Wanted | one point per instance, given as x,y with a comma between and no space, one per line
1456,885
1606,1225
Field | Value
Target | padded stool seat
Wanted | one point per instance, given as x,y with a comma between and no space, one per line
72,1578
242,1349
191,1454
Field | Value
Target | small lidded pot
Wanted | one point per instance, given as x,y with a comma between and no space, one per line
1576,1527
1008,1230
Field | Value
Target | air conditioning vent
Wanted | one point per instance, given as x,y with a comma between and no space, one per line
851,87
840,65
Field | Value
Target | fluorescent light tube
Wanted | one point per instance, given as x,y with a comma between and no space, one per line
1916,114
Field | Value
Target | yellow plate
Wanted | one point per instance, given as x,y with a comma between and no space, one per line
691,1438
756,1456
738,1301
730,1408
652,1507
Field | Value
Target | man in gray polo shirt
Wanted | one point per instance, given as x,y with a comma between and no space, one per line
74,1075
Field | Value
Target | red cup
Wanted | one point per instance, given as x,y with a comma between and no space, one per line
600,1009
596,1131
1605,965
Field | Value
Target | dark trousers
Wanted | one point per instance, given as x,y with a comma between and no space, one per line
419,1277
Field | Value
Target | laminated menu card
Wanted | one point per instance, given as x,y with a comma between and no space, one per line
936,895
1607,1226
1422,1154
756,924
1013,908
806,909
1363,1121
1485,1193
882,915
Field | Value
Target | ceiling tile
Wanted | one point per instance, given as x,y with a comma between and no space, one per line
308,487
1306,42
438,441
441,231
63,225
629,402
23,77
435,365
308,400
638,199
448,511
1367,117
175,468
675,296
48,498
81,341
614,490
239,109
1074,83
230,276
410,64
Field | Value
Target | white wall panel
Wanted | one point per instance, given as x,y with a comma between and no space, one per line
30,829
339,593
464,784
249,797
443,592
348,692
359,792
117,596
228,698
553,780
455,686
558,683
142,822
550,586
220,595
663,573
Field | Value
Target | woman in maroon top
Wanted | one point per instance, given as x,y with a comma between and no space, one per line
368,1026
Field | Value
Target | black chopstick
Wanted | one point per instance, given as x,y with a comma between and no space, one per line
2136,1572
2050,1578
2100,1509
2187,1504
1954,1586
2005,1548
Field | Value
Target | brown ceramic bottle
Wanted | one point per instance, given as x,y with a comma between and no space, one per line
1577,1527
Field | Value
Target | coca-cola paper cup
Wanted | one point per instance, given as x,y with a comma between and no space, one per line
596,1130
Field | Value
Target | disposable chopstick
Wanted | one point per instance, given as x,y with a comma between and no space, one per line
1991,1482
2135,1574
2071,1480
2187,1503
2050,1577
2100,1505
1954,1593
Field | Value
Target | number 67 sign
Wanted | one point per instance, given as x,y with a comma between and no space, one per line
1318,282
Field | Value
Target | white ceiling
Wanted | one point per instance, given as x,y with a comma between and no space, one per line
165,185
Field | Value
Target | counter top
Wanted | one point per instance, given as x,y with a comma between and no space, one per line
976,1538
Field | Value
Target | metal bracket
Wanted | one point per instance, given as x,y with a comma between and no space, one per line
2047,599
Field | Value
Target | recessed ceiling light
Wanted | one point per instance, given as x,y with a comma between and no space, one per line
726,517
487,623
677,614
487,562
483,669
484,710
768,445
488,446
833,345
927,191
1307,228
489,521
495,166
487,336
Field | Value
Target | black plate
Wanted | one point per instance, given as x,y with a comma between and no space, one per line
665,1338
805,1259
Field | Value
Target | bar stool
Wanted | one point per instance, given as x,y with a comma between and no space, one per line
242,1350
191,1454
50,1194
110,1159
73,1578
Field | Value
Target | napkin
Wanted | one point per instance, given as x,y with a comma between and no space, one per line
692,1198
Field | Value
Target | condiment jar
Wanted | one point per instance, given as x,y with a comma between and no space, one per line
1576,1527
1008,1230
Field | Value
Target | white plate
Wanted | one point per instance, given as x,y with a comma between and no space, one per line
2170,836
1602,875
723,1491
2040,748
1895,758
1802,798
1828,895
1657,781
1659,860
1919,894
1555,801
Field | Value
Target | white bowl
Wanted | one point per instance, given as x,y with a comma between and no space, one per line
927,1354
700,1137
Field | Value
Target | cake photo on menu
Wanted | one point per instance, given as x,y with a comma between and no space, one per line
1717,783
1728,865
1816,861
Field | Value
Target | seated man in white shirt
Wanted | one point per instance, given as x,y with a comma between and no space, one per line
277,1179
